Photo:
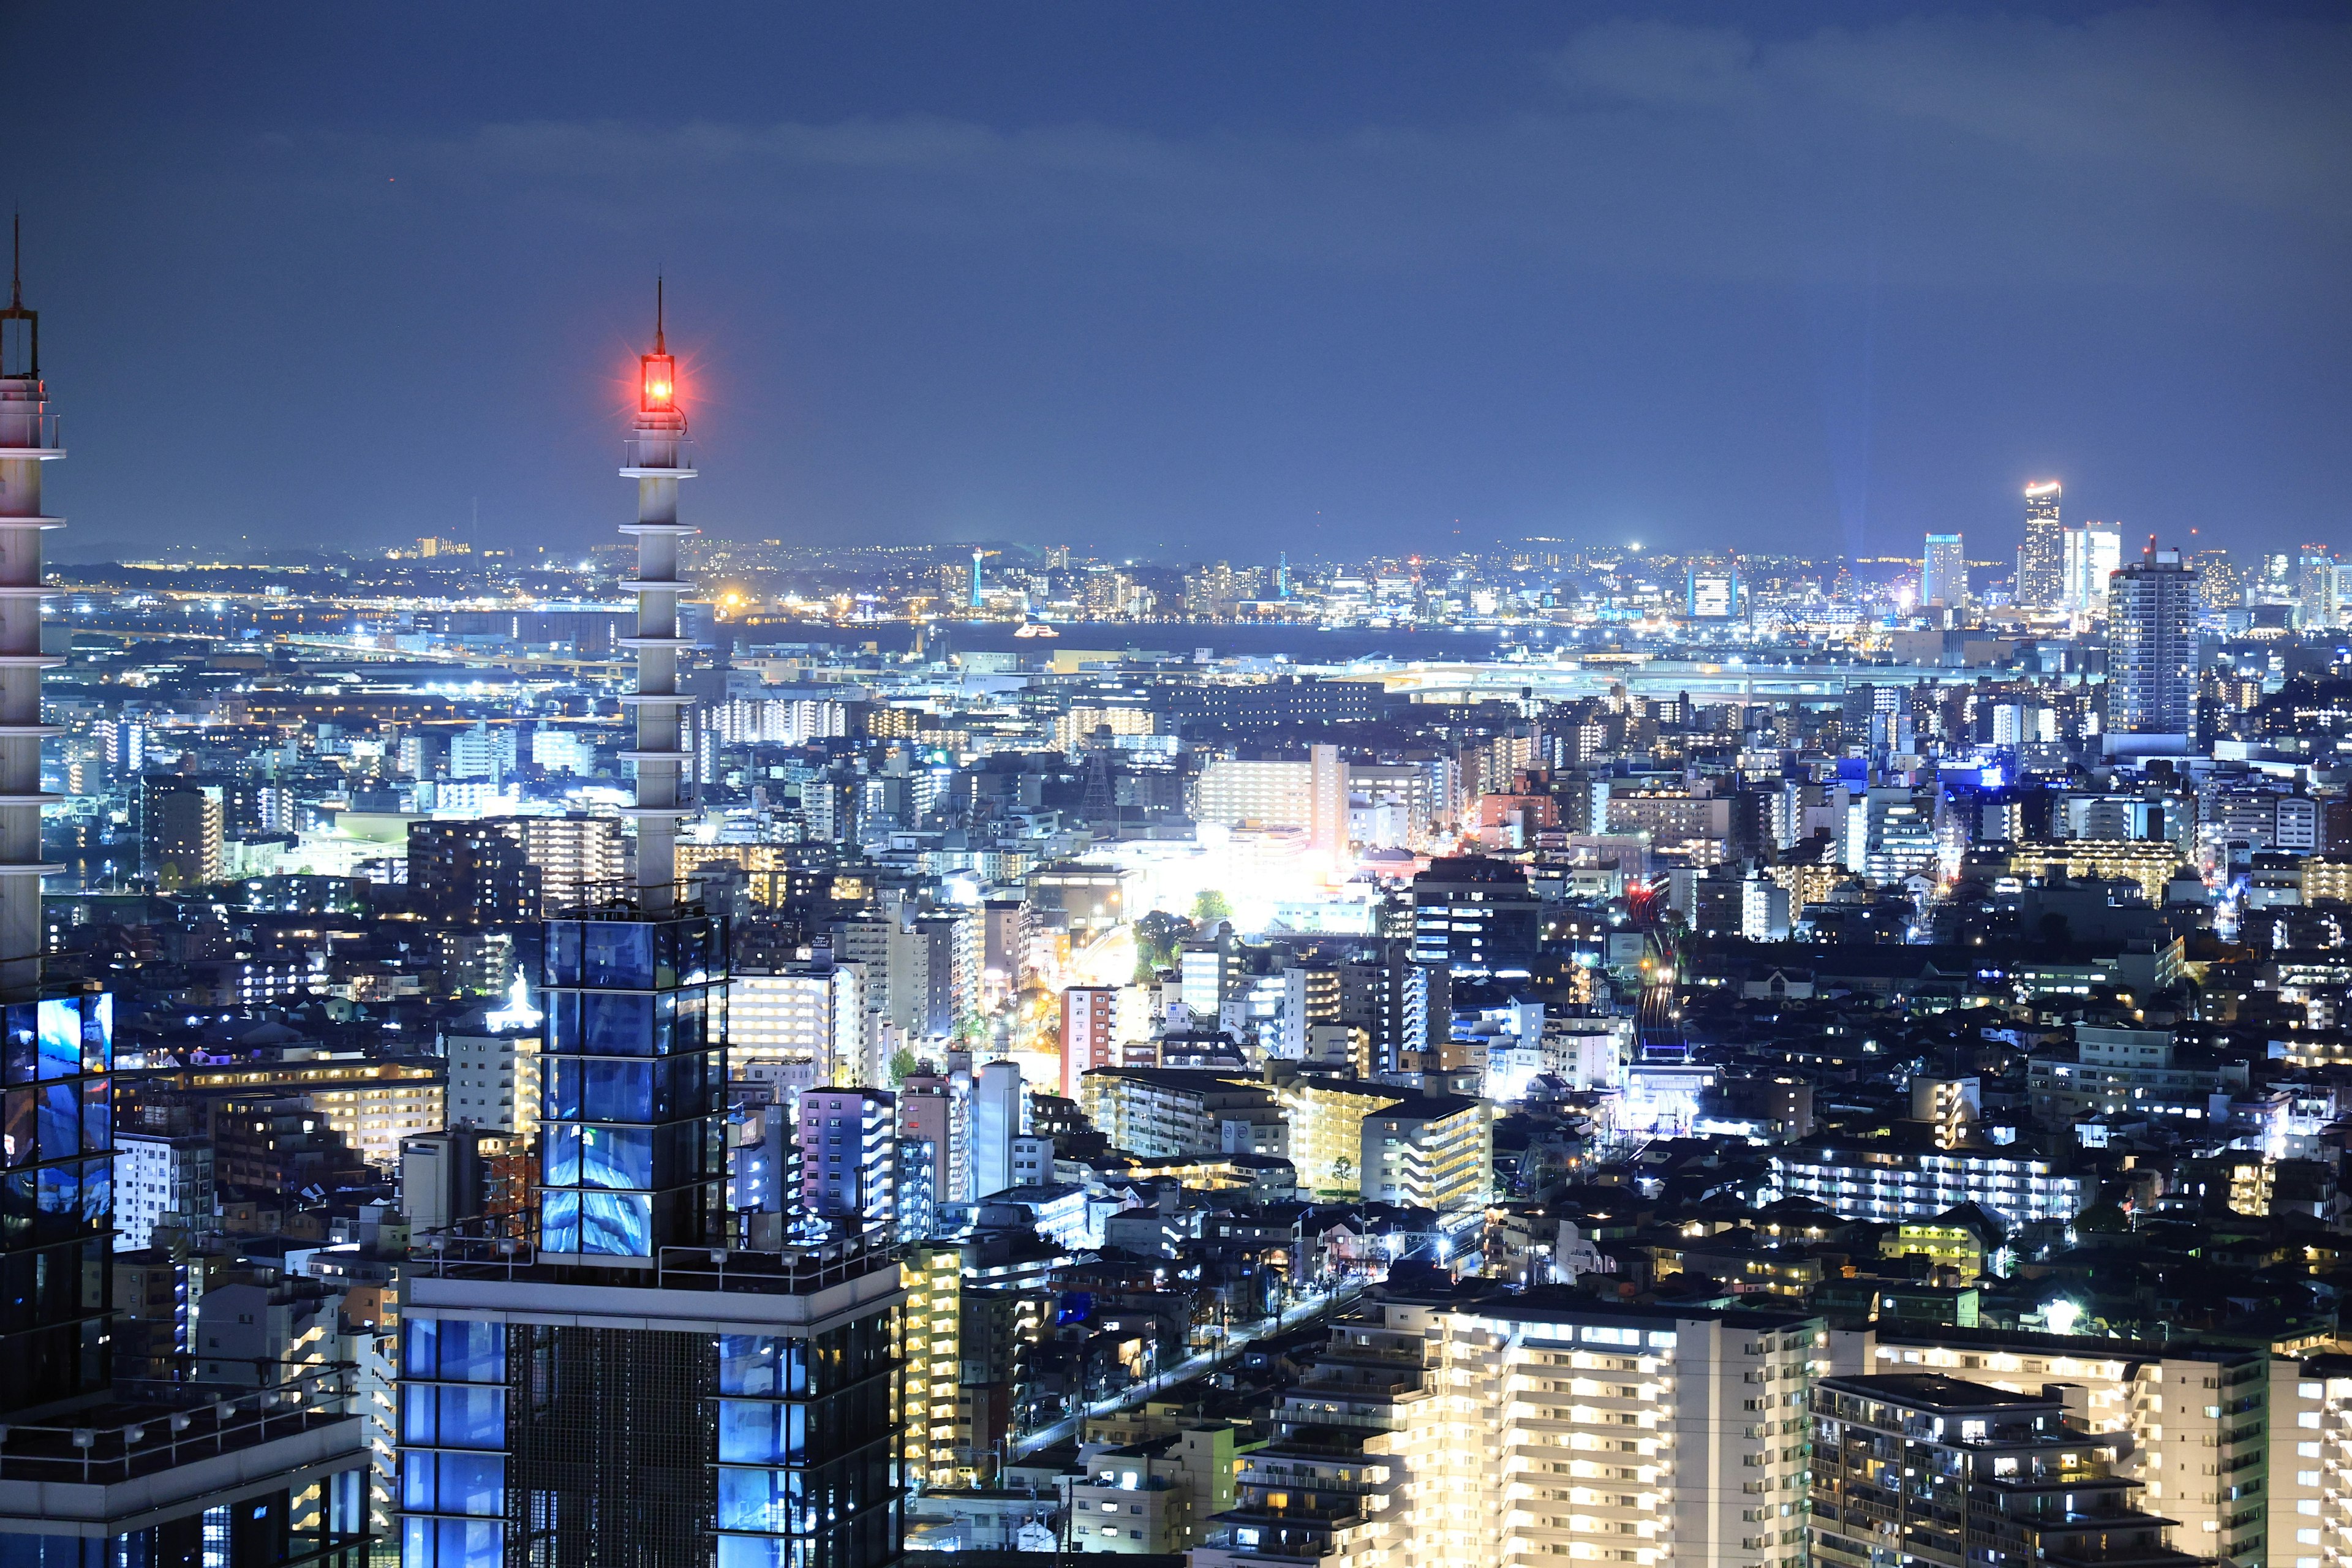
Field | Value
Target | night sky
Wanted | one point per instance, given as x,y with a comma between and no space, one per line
1179,280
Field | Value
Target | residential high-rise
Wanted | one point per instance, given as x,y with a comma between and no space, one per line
1944,572
800,1025
183,825
1928,1469
474,873
158,1174
1513,1428
996,1123
1326,813
1090,1033
2152,611
848,1142
1476,915
641,1376
2042,558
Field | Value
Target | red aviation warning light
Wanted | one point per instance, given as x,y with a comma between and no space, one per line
660,378
658,371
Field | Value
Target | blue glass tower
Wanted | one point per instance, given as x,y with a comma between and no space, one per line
633,1104
616,1376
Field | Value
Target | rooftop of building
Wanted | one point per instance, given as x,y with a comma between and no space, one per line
1932,1391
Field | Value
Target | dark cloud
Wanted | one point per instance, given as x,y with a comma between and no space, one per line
1719,281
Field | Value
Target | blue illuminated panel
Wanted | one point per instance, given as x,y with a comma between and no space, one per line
631,1156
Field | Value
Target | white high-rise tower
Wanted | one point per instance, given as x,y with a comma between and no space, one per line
28,438
656,461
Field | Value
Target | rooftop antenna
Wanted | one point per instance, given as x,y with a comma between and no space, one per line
658,314
16,310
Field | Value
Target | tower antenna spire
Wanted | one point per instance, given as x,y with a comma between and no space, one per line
16,260
658,314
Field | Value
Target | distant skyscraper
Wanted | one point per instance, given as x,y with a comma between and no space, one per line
2041,559
2219,585
2091,554
1944,572
2152,613
2315,586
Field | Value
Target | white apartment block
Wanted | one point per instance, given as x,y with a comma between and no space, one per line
154,1176
1899,1184
494,1081
2201,1439
1511,1431
1268,795
2309,1512
802,1028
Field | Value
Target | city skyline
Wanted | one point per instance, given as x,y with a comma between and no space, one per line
1067,278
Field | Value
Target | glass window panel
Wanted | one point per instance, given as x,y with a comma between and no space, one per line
472,1351
17,1204
751,1499
563,1080
417,1543
752,1552
616,1026
559,1219
468,1543
616,1157
562,1154
618,1091
418,1407
616,1225
19,1125
563,952
60,1122
562,1022
420,1343
97,1032
60,1190
23,1044
473,1418
96,1115
97,1191
751,1363
473,1483
60,1030
616,953
417,1478
751,1433
664,1022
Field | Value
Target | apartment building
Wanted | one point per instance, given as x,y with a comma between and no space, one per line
1939,1472
154,1176
802,1026
1517,1429
2197,1417
1164,1113
1431,1151
1882,1183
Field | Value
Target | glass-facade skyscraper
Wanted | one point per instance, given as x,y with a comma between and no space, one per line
632,1103
2042,558
104,1465
628,1373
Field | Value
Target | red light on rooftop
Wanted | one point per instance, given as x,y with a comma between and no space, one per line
658,381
